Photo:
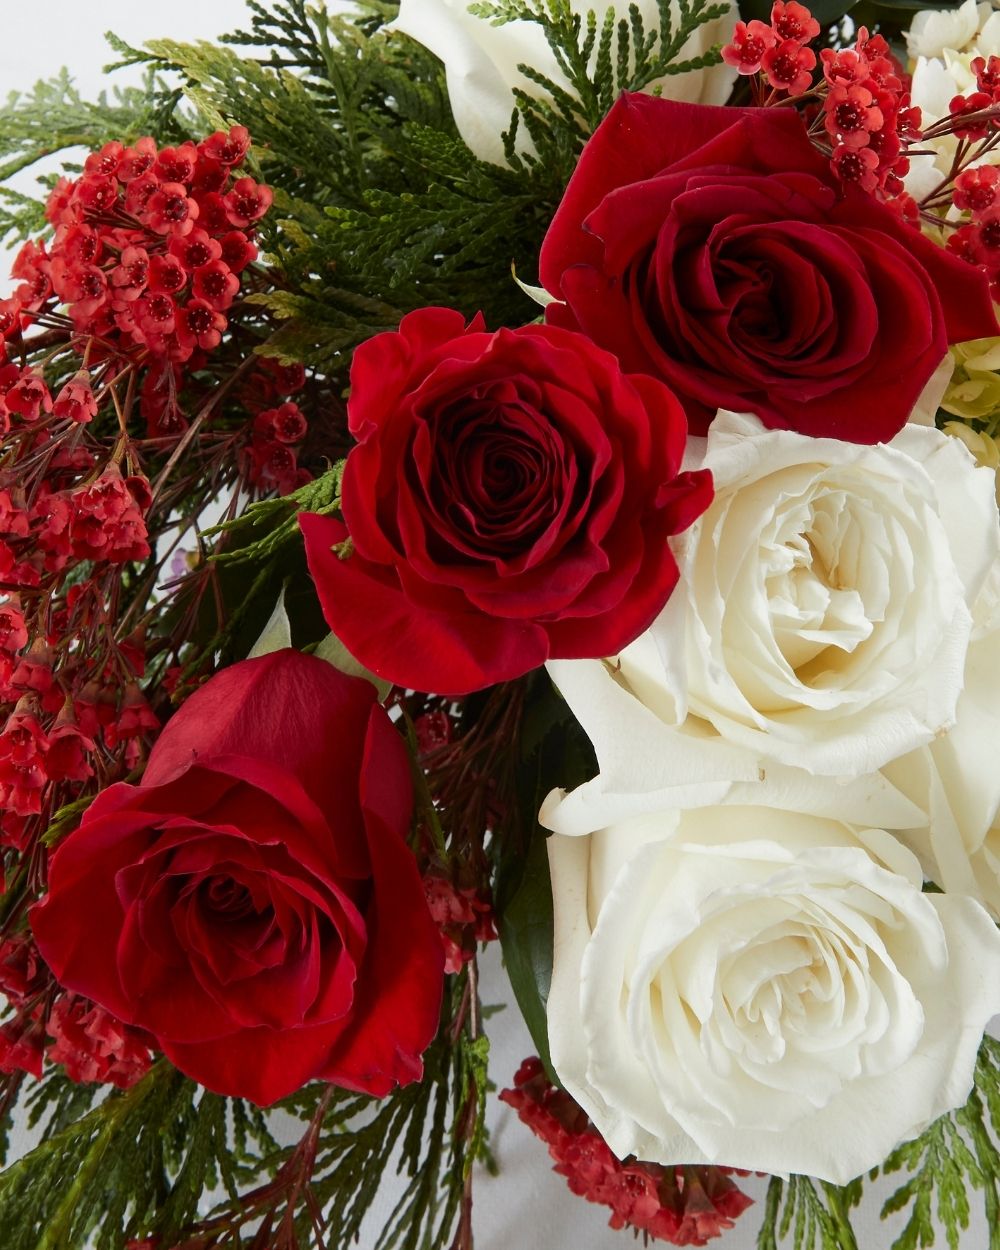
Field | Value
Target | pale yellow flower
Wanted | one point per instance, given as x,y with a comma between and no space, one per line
985,449
974,390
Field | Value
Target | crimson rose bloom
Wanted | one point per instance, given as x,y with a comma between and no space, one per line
253,904
714,248
509,500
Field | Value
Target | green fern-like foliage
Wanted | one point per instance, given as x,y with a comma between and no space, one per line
958,1156
601,55
143,1161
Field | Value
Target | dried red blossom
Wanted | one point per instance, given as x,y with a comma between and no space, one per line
13,631
69,747
23,744
463,916
433,731
22,972
28,397
686,1206
135,718
93,1045
22,1042
76,401
987,74
107,521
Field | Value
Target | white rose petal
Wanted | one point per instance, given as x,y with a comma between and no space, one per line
822,618
934,30
954,780
481,62
943,45
745,986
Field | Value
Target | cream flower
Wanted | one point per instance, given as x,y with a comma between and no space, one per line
943,44
822,618
955,781
481,63
745,985
934,31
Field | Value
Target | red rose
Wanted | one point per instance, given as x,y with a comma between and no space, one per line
510,500
715,249
253,904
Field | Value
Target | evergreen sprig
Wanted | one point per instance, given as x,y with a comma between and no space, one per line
957,1155
54,117
145,1155
600,56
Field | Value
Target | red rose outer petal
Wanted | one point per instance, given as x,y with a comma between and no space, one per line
376,620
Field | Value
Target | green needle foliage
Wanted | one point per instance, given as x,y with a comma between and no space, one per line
380,209
958,1155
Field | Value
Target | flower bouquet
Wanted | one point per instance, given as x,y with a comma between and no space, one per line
513,471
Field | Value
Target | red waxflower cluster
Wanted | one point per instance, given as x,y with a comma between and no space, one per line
278,427
865,111
867,115
976,192
686,1206
149,244
778,51
92,1045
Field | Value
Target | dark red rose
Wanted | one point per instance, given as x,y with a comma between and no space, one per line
253,904
509,500
715,249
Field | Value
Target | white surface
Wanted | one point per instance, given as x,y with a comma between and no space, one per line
527,1207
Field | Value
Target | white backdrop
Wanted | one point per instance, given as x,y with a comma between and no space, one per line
527,1207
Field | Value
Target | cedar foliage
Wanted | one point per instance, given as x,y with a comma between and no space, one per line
380,209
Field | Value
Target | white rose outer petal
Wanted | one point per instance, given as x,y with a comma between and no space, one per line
934,30
745,986
481,62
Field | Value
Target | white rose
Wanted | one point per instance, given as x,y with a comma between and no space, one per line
943,45
481,62
934,30
761,989
955,779
822,616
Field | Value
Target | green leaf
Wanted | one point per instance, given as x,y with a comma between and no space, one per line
526,940
334,652
276,634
